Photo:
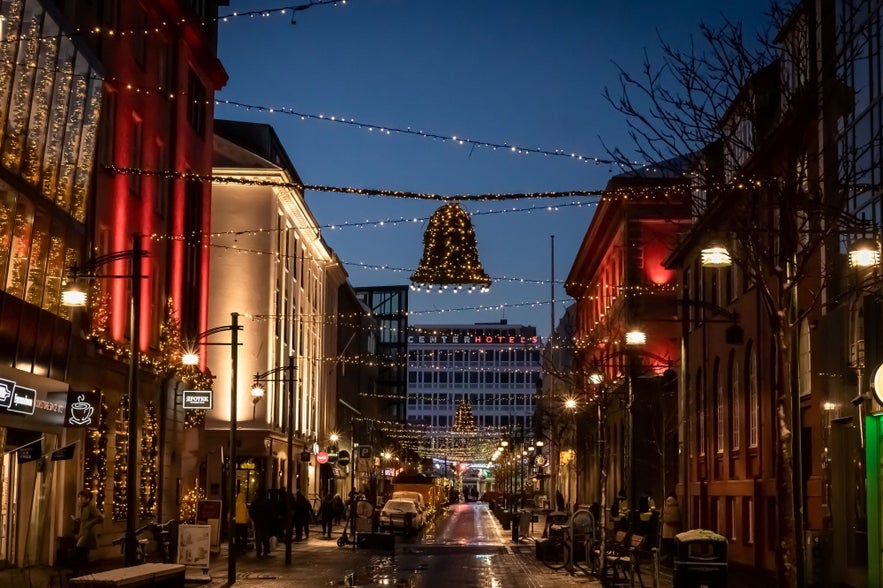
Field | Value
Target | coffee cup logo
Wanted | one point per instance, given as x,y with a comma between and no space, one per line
81,412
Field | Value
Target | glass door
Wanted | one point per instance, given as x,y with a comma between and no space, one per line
8,509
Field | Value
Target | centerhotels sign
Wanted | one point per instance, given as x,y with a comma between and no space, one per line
471,337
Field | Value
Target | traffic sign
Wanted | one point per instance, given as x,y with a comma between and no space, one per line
322,457
343,457
365,451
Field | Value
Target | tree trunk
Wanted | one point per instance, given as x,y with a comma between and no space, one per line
787,548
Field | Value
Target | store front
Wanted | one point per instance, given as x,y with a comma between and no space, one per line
35,485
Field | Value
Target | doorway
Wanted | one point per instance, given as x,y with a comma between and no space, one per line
849,517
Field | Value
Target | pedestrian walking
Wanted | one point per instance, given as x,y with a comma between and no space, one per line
241,520
326,514
263,518
559,500
339,509
647,516
303,516
88,518
671,524
619,512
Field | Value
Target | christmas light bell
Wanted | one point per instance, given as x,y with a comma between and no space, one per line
450,255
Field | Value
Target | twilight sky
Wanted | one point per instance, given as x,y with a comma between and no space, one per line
515,72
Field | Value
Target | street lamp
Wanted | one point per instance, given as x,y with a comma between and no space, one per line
290,379
191,358
75,297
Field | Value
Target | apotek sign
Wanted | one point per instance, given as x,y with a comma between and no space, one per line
197,400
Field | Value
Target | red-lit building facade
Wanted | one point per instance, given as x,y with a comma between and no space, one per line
619,284
134,92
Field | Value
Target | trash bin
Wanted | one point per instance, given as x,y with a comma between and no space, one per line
516,526
700,560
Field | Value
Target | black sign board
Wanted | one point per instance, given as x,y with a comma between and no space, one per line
24,400
305,456
343,457
197,400
83,409
365,451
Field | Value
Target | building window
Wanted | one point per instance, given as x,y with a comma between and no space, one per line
135,157
197,106
753,399
735,404
804,377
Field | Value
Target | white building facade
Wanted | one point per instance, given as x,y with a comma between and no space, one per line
494,367
270,265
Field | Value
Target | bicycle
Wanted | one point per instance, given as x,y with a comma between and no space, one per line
554,552
141,542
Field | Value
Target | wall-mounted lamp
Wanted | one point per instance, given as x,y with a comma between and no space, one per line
74,297
864,253
716,256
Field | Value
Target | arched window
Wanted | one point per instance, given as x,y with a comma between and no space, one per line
753,397
700,413
735,403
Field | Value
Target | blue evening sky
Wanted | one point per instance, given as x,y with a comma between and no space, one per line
526,73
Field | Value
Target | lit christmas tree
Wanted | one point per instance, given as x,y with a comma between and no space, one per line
464,420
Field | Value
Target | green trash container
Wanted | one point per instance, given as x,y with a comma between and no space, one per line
700,560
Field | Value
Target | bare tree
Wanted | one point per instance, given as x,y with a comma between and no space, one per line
753,116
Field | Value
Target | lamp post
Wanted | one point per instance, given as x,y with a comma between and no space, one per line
290,379
72,297
192,359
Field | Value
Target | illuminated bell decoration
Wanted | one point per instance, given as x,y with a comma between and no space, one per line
450,255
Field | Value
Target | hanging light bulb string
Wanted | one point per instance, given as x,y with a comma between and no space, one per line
455,139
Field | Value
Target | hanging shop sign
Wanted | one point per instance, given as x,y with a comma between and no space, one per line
197,400
24,400
82,409
15,398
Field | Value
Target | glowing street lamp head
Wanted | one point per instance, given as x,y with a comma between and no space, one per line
570,403
73,296
635,337
190,358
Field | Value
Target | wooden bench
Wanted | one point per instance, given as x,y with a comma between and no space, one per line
149,574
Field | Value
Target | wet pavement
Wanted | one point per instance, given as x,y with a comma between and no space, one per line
465,547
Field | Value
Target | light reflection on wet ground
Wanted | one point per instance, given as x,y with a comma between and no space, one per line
464,548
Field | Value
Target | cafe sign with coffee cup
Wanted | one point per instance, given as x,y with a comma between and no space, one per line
83,409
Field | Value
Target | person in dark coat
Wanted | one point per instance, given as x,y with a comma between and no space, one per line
303,516
339,509
87,519
326,514
559,500
263,517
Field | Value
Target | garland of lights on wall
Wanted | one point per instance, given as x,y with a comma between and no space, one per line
149,461
95,458
120,463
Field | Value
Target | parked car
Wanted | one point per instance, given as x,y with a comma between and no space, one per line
401,514
409,495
